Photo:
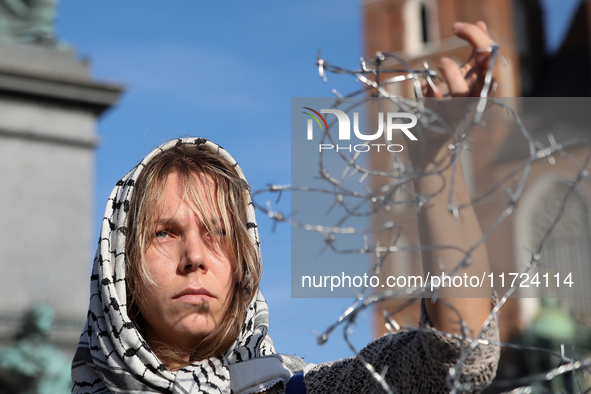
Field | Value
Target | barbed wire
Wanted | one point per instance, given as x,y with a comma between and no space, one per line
375,203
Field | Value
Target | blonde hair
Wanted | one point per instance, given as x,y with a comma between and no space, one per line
194,163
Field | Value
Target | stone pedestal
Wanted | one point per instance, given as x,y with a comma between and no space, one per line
49,105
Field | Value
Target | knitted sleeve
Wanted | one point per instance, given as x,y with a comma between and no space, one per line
417,361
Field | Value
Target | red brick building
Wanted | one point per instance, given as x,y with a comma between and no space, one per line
421,30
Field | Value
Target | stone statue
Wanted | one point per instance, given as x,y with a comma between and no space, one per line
28,21
32,365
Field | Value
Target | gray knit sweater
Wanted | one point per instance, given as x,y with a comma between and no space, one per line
417,362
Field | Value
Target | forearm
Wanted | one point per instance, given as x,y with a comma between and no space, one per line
447,240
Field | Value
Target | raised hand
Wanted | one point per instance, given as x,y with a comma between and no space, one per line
468,79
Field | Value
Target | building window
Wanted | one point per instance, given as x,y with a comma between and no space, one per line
424,24
420,24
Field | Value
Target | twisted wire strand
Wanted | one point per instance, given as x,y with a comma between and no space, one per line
375,76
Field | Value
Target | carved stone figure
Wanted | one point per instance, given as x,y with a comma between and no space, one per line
33,365
28,21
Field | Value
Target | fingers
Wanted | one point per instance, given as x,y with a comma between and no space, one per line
478,37
477,67
454,77
482,26
431,90
475,34
457,83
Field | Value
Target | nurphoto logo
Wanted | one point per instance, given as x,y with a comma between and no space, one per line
392,123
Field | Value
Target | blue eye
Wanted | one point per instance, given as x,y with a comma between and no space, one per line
161,234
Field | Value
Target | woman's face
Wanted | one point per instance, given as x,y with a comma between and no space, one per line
193,277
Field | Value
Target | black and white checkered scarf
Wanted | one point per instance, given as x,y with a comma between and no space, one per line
112,356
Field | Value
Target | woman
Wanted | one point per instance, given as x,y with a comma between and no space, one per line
175,305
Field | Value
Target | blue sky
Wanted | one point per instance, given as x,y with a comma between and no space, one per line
226,71
557,14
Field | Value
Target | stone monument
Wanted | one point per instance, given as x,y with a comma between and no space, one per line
49,105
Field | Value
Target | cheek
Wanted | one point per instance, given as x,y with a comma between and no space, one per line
154,278
160,261
227,283
148,293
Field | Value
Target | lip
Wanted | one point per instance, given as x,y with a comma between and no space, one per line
194,294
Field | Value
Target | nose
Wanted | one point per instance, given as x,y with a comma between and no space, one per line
194,255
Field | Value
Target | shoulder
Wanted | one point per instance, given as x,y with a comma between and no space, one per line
269,374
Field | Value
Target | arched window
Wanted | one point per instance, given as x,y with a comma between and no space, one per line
566,249
420,24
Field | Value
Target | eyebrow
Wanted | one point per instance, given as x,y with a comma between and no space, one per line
169,222
166,222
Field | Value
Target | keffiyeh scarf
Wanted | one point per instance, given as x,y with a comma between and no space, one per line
112,356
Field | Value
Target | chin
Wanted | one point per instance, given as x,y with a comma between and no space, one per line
195,328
